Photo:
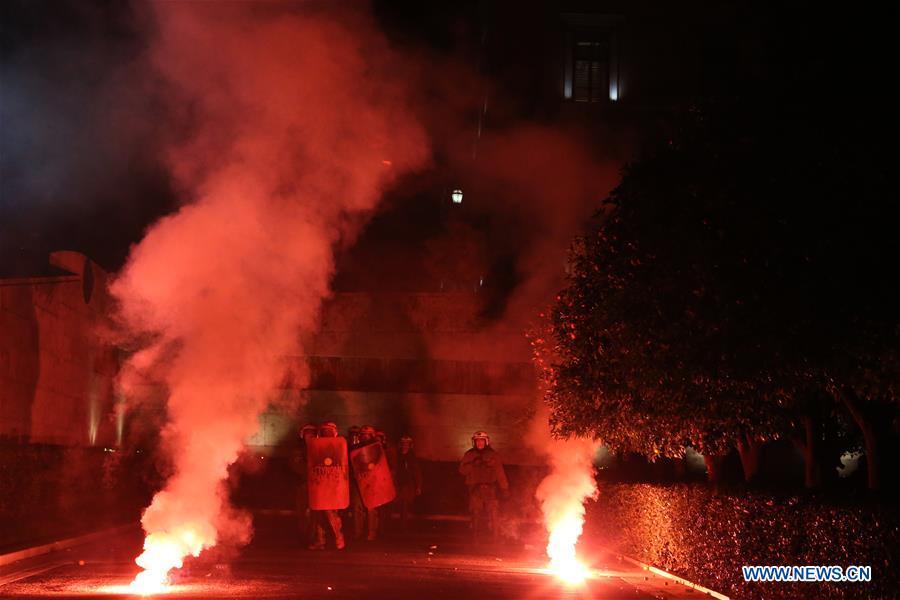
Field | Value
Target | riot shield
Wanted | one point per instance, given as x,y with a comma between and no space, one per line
329,483
373,475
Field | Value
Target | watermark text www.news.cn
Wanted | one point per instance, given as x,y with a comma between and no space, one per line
807,573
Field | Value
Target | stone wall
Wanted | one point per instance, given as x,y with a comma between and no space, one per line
422,364
49,492
427,365
59,471
414,325
55,371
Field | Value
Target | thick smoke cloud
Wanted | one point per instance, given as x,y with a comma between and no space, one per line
287,119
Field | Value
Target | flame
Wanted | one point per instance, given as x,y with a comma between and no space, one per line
561,549
164,551
562,495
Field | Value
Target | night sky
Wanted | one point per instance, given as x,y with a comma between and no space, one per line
83,119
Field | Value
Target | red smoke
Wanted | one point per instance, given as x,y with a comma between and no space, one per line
284,121
543,183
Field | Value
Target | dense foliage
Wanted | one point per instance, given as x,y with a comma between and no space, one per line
705,536
737,286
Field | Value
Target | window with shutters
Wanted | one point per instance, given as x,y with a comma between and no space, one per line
590,70
591,56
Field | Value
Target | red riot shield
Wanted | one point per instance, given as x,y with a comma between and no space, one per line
328,480
372,473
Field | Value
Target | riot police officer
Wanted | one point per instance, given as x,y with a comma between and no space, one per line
483,470
327,518
408,478
365,520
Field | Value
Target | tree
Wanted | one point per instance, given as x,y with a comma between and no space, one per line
865,379
715,291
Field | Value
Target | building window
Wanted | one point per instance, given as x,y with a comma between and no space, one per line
590,71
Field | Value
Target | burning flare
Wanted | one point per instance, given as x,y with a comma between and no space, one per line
164,551
562,495
561,548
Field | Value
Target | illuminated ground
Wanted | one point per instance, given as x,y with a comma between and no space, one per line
275,566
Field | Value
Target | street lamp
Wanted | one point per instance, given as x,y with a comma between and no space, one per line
457,196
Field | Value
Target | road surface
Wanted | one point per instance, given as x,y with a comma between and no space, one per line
437,561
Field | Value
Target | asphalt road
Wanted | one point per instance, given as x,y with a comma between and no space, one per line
438,560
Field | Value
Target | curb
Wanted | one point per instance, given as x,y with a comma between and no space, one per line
11,557
676,578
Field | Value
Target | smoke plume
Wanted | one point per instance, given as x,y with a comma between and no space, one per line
288,124
544,183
